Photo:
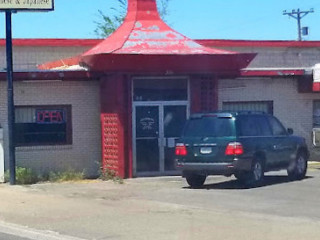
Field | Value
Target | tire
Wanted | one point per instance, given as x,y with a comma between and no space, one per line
256,175
195,180
298,168
241,176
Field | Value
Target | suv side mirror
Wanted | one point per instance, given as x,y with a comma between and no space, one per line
290,131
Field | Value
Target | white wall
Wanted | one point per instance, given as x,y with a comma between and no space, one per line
28,57
85,151
294,109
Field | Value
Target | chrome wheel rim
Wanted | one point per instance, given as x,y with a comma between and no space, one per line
301,165
257,171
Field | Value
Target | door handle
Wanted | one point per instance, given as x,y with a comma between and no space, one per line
162,142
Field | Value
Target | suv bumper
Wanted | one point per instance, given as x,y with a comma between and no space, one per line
222,168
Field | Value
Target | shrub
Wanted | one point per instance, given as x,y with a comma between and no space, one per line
23,176
107,174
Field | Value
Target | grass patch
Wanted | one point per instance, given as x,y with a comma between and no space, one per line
70,175
26,176
107,174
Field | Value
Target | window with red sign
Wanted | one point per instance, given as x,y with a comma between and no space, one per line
43,125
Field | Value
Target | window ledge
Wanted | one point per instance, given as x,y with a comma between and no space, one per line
43,148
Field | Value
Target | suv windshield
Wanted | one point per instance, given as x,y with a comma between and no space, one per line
209,127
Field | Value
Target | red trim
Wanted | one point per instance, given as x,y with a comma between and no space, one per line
204,63
52,75
316,87
255,43
129,123
157,63
62,42
54,42
87,76
261,73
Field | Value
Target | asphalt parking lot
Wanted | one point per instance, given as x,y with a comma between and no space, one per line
166,208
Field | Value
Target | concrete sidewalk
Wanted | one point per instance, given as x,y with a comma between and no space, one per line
145,208
313,164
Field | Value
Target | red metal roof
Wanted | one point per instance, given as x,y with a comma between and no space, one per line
62,42
256,43
143,32
271,72
145,43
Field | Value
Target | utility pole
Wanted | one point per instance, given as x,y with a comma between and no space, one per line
297,14
12,158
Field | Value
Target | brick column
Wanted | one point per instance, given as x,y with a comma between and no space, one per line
115,121
204,94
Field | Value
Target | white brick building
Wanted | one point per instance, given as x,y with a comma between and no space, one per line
83,150
278,80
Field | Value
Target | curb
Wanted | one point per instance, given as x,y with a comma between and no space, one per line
32,234
313,164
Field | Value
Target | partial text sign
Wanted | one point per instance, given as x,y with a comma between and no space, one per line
33,5
50,116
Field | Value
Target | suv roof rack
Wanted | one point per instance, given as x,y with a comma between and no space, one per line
250,112
226,113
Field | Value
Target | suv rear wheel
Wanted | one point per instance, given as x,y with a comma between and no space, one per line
196,180
297,169
241,176
256,174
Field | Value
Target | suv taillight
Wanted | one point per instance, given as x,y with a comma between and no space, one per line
181,150
234,148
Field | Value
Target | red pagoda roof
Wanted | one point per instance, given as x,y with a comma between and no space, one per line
143,32
144,43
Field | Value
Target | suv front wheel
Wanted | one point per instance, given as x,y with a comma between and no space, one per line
297,169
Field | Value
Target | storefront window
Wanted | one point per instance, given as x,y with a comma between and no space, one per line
159,89
264,106
43,125
316,114
316,123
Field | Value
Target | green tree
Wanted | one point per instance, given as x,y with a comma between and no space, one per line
108,23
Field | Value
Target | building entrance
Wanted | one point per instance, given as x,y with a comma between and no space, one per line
157,125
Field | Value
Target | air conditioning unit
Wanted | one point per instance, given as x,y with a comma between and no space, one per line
316,137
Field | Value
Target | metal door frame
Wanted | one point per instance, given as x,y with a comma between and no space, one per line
160,105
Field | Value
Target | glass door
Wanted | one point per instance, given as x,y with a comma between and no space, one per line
174,118
147,139
157,126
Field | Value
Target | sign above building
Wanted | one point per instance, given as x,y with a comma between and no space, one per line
27,5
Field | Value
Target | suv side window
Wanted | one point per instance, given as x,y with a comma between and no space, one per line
277,127
264,125
247,126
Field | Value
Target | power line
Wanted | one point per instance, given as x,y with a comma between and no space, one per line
298,15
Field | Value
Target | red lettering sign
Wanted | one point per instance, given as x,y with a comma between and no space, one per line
50,116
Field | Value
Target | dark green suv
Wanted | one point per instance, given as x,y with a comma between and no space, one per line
243,144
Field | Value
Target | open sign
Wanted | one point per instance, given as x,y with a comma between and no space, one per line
50,116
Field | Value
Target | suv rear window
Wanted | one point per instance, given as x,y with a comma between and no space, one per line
209,127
